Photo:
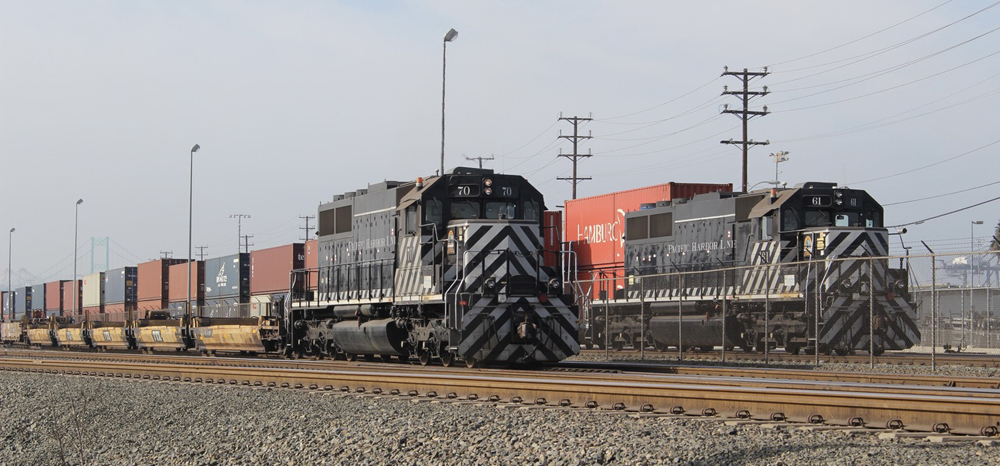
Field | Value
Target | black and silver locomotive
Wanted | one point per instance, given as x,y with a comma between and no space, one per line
803,267
449,269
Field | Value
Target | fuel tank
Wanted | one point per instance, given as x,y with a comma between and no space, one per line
372,337
695,330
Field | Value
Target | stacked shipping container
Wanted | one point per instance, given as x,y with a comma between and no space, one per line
22,301
270,274
38,301
227,286
154,283
93,296
54,297
68,291
177,293
120,287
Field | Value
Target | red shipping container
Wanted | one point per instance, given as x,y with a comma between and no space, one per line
270,269
153,280
178,275
595,226
552,237
312,262
67,297
54,295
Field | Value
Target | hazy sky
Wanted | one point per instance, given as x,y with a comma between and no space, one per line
294,102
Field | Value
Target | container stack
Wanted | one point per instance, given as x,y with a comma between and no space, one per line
120,288
93,296
154,283
22,301
270,275
177,291
227,286
67,297
38,301
54,297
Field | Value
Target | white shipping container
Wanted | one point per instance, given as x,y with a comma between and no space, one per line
93,290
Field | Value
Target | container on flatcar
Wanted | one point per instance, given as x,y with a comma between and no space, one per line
270,269
38,300
120,285
67,297
54,297
8,308
22,300
93,290
178,292
116,312
154,284
227,277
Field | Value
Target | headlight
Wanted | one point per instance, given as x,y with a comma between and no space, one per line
488,182
491,283
555,285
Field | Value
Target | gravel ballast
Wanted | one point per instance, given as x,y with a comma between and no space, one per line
51,419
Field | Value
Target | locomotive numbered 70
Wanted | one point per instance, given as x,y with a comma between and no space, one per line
452,269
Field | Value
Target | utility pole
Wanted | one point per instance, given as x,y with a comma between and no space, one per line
166,254
480,159
306,218
201,252
575,138
247,243
745,114
239,228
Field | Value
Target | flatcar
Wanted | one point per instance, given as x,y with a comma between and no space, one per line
803,267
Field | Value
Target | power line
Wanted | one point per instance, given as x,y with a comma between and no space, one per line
928,166
918,222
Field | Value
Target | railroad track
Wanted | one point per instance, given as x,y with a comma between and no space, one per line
926,408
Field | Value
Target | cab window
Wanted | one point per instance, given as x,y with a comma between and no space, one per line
530,210
432,211
501,210
464,210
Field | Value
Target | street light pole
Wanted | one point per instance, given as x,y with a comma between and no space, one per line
972,307
450,36
76,234
10,273
190,216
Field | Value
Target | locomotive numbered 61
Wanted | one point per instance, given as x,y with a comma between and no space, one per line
451,269
793,268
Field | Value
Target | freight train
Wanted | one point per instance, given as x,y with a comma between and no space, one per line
798,268
450,269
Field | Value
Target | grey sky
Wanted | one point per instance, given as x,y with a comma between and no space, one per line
293,102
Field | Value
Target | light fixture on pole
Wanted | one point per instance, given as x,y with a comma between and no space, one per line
187,305
450,36
972,276
778,158
76,233
10,273
239,228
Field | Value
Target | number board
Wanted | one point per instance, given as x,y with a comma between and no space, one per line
465,190
505,191
817,201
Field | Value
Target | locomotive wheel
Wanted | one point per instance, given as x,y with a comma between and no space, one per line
424,357
842,351
793,348
404,357
350,357
447,358
661,347
706,348
471,362
386,357
370,357
617,345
